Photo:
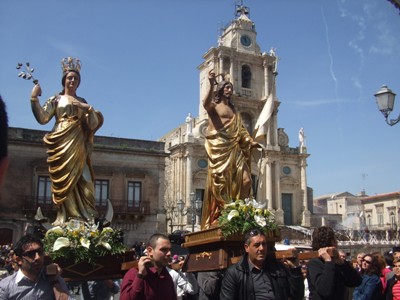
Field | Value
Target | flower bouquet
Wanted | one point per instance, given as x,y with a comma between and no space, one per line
239,216
81,241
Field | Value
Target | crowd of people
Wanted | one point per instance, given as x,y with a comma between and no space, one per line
25,273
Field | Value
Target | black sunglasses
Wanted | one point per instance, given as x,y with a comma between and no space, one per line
367,261
32,254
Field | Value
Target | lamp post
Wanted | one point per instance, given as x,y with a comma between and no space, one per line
385,101
180,205
174,212
195,208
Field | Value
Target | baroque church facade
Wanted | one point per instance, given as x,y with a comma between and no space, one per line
279,177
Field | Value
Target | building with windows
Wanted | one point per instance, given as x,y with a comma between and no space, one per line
381,212
130,173
358,212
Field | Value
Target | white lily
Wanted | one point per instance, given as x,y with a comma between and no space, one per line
107,230
61,242
106,245
56,229
260,220
233,213
92,227
230,204
85,242
240,202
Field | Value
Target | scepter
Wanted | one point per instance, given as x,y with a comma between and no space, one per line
28,73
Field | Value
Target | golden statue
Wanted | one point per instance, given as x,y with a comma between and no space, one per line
228,146
69,146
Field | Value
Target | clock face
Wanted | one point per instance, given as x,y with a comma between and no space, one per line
202,163
245,40
286,170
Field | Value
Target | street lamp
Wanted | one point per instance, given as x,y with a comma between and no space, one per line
195,208
385,101
181,205
174,212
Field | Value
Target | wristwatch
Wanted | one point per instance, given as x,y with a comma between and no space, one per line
140,275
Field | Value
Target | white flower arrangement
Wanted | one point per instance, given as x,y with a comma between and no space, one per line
82,241
239,216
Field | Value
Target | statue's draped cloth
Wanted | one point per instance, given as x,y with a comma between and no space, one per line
69,146
228,151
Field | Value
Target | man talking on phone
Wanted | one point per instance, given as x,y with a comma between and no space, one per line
151,281
33,280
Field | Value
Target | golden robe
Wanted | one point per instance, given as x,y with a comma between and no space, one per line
228,151
69,147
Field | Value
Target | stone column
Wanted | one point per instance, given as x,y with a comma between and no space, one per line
266,85
189,183
268,179
221,63
279,214
306,219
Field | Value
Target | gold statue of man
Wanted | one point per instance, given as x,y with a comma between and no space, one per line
228,145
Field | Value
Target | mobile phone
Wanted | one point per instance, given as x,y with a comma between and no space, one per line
150,263
51,270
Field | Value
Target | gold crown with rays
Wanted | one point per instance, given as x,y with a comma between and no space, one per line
71,64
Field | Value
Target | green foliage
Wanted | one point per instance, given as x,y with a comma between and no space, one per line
82,242
240,216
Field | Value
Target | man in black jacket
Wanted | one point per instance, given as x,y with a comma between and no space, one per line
257,276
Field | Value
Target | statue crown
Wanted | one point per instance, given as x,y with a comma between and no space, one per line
71,64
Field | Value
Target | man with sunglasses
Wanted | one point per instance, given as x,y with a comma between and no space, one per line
31,280
260,276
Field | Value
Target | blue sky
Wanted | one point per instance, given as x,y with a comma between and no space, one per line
140,63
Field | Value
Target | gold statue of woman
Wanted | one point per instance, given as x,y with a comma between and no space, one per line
69,146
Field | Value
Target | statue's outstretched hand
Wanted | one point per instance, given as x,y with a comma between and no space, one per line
36,91
211,77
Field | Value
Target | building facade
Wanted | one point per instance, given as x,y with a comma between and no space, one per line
130,173
279,180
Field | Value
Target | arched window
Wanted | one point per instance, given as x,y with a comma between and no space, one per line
246,77
227,65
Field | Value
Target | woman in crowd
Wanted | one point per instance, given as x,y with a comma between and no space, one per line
329,274
384,270
393,284
371,286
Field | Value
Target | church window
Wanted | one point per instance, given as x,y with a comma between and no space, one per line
226,65
246,77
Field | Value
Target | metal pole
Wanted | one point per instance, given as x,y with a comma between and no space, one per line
193,216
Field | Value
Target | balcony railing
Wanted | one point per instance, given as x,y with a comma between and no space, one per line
120,207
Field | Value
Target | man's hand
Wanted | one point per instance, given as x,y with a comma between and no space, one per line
323,253
291,262
144,263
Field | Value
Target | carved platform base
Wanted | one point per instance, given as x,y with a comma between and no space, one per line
209,250
106,267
